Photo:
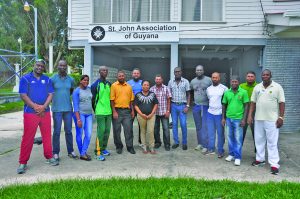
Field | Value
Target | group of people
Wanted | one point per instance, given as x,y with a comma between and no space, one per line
215,107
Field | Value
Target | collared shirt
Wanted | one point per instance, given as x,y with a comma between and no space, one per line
235,103
36,89
248,87
179,90
267,101
61,101
162,94
214,94
136,86
199,86
121,94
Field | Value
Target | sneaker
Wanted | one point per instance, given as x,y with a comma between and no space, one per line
174,146
52,162
258,163
204,150
198,147
209,153
56,157
73,155
105,152
100,158
220,155
184,147
237,162
22,168
229,158
274,170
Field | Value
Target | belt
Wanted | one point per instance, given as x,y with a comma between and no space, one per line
120,108
179,103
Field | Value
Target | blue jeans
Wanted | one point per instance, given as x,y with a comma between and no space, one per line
177,111
87,126
200,119
58,117
214,124
235,137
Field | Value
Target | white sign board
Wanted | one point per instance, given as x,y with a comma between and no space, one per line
148,32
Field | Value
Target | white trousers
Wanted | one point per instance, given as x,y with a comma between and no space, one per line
266,132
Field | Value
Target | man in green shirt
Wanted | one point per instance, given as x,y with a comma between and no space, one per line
101,105
235,107
249,86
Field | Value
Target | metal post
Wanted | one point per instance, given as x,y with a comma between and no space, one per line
50,57
35,32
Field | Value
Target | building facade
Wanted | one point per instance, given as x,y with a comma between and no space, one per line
228,36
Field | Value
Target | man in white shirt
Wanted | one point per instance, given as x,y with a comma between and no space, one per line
214,116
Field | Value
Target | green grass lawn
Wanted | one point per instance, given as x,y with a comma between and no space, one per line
11,107
152,188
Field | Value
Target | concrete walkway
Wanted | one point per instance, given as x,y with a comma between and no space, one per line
175,163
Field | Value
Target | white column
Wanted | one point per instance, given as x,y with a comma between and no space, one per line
174,58
88,62
50,58
16,87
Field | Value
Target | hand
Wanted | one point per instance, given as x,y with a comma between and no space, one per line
79,123
39,109
243,122
167,114
132,114
279,123
145,117
186,109
149,116
250,120
223,122
115,115
41,114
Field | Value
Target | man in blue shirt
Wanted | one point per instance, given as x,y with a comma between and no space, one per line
62,109
136,84
36,91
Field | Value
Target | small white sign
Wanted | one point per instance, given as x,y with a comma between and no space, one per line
148,32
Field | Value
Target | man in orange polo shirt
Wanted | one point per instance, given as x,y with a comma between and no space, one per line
121,98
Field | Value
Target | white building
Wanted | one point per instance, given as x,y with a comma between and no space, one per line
228,36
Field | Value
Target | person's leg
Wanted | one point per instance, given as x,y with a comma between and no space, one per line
106,131
238,139
100,132
143,125
150,132
220,134
67,117
252,131
211,131
31,123
166,131
198,123
203,130
260,140
127,126
79,132
230,136
272,133
45,128
157,130
88,126
182,118
57,121
244,132
117,132
175,115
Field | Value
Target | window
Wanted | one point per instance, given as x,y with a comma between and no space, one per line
202,10
106,11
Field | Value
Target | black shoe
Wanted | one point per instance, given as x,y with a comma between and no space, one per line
157,145
184,147
167,148
119,150
174,146
131,150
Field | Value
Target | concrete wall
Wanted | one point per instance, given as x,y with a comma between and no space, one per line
282,57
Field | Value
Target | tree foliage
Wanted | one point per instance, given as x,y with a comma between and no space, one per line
52,28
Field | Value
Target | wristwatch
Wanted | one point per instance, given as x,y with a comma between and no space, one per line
281,118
